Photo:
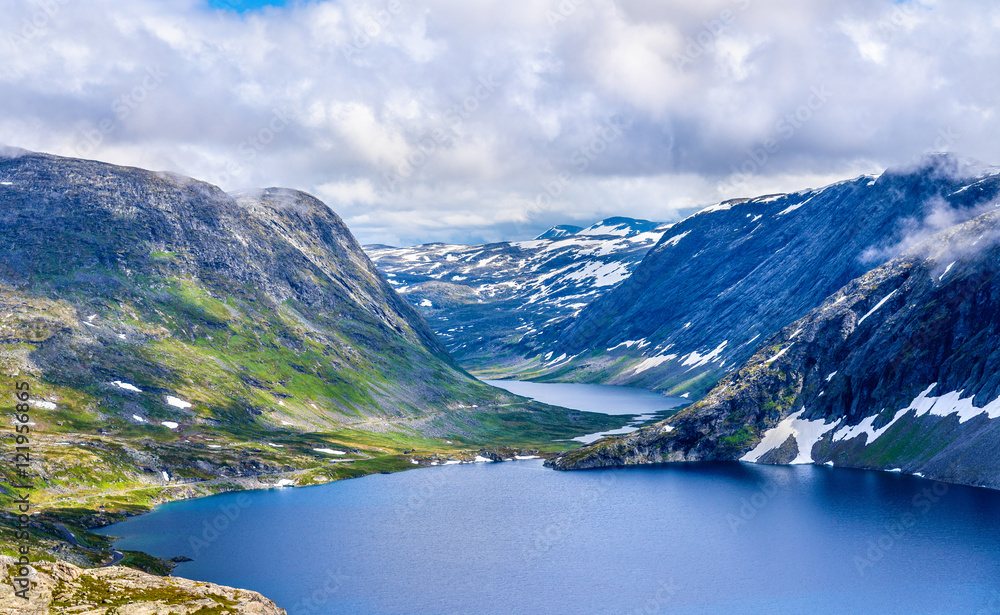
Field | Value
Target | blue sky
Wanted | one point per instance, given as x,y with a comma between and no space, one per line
450,120
242,6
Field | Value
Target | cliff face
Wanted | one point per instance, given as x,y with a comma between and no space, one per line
59,587
899,369
726,278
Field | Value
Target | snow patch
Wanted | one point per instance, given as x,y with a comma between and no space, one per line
806,433
169,424
792,208
676,239
780,352
41,403
177,402
696,359
877,306
652,362
946,270
126,386
329,451
426,303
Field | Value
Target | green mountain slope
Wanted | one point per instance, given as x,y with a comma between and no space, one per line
178,341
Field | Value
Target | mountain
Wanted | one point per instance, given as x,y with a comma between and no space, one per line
723,279
898,370
257,307
176,341
483,300
561,230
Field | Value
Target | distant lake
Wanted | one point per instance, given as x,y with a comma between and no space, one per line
597,398
517,538
592,397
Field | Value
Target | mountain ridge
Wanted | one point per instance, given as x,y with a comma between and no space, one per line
895,371
482,299
734,272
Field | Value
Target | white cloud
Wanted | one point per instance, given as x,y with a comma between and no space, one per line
479,106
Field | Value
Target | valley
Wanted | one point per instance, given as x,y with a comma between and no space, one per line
181,342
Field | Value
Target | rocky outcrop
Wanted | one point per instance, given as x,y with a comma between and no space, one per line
897,370
59,587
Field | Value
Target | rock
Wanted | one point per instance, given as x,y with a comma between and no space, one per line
62,588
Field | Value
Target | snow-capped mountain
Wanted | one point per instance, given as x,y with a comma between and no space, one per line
898,370
720,281
483,299
561,230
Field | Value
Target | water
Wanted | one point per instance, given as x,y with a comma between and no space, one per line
514,537
605,399
592,397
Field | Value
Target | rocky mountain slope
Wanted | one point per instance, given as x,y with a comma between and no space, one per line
723,279
134,289
483,300
898,370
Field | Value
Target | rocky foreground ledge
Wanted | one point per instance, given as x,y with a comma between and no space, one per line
59,587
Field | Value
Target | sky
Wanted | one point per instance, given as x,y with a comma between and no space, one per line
467,121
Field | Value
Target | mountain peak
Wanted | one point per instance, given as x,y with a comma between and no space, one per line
558,231
619,225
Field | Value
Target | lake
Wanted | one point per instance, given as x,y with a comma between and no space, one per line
605,399
514,537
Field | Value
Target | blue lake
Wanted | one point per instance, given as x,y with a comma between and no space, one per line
598,398
517,538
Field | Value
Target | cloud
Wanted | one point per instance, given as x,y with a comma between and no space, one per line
443,120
